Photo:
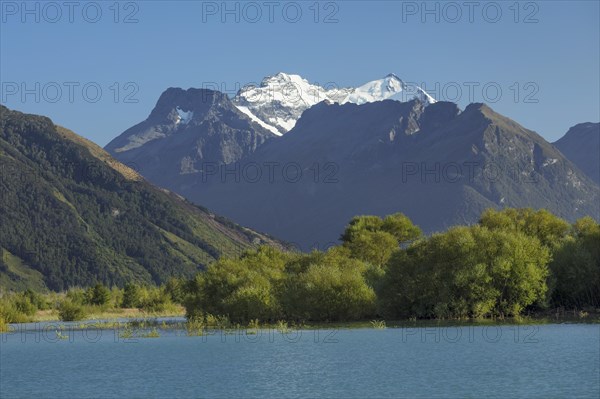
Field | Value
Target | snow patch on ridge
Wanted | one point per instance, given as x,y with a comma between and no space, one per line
183,117
254,118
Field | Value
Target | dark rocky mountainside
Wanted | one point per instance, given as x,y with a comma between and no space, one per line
581,144
439,165
185,129
436,164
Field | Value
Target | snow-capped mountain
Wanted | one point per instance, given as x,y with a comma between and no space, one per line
389,88
277,103
203,146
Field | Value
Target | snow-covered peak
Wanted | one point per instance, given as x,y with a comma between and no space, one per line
389,88
289,90
280,99
282,79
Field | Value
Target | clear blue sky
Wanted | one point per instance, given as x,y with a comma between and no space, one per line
182,44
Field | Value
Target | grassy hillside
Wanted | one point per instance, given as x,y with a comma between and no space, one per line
71,215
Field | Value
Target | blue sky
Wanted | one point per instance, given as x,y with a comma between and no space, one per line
543,56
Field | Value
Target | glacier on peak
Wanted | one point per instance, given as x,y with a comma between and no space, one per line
280,99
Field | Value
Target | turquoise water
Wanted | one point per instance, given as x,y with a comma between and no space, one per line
545,361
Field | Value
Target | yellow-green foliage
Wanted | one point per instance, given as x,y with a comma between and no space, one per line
3,324
70,311
243,289
466,272
383,268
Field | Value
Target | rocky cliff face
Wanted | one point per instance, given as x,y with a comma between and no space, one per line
185,129
581,144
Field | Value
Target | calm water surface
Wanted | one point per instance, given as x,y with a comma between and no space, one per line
545,361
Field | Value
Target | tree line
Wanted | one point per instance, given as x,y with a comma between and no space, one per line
511,262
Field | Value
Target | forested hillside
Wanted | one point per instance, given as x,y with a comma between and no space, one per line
71,215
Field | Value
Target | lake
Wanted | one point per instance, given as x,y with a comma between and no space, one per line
539,361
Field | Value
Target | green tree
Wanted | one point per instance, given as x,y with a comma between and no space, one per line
331,286
241,289
576,267
131,296
98,295
543,225
374,247
466,272
401,227
373,239
174,287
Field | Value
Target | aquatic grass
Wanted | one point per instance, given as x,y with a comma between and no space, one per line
282,326
253,327
219,322
378,324
151,334
128,332
195,327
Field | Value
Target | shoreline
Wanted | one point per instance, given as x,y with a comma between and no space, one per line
135,318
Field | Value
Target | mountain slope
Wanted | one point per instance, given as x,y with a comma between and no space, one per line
438,165
581,144
185,129
70,215
279,100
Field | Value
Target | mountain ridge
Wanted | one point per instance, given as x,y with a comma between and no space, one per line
431,160
581,144
436,164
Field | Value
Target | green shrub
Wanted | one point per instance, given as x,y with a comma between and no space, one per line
37,299
70,311
23,305
10,313
154,300
77,295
